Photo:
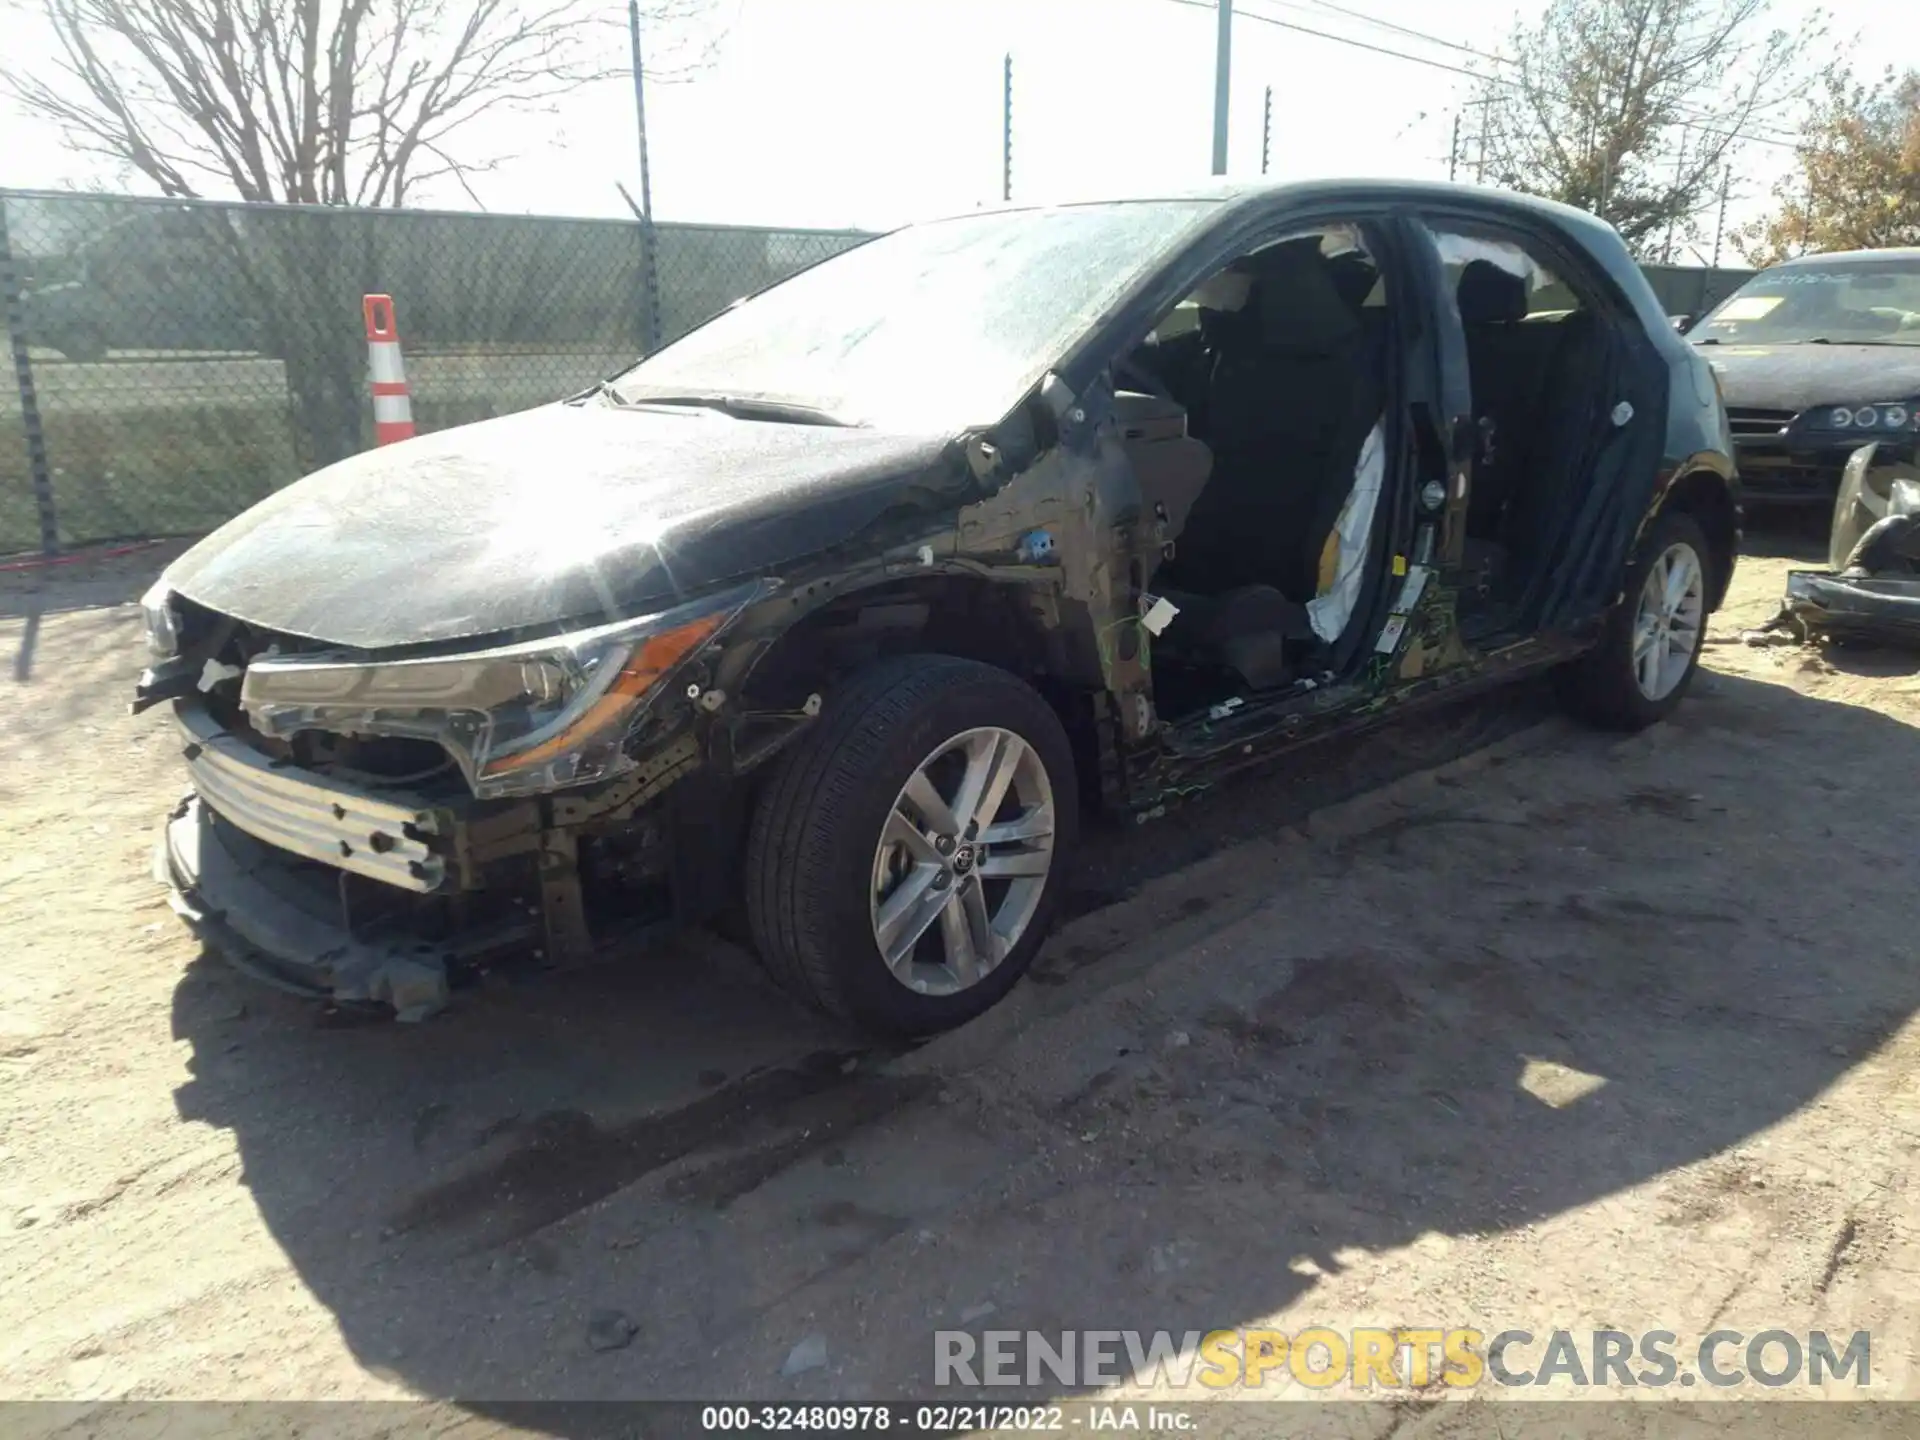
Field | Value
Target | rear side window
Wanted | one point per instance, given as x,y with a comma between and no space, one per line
1549,298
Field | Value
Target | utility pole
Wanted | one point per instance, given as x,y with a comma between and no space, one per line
650,275
1006,131
1266,131
1453,150
1720,224
1222,70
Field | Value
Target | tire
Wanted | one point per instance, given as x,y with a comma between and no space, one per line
1606,686
818,873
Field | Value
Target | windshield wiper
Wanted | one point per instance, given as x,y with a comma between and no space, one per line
600,389
741,408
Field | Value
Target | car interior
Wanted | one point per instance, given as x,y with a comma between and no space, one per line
1254,414
1537,358
1248,414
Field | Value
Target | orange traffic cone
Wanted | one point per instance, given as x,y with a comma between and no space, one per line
392,407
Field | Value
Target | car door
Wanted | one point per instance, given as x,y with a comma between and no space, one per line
1400,546
1595,428
1088,375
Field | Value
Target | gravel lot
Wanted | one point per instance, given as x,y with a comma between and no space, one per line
1488,1021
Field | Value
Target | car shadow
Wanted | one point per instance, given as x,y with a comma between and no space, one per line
1788,532
85,579
669,1137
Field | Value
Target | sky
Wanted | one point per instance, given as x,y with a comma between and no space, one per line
870,113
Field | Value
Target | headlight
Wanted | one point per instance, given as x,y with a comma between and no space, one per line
1883,417
519,719
162,621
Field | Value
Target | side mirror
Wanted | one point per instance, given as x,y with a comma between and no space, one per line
1681,323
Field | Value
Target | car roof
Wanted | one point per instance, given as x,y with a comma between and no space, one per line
1591,232
1587,232
1345,187
1908,254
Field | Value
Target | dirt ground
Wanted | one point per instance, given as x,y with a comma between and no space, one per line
1486,1021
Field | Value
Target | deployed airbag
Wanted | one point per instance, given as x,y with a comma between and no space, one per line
1343,563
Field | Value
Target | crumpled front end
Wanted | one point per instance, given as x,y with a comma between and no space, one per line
380,828
352,892
1871,589
245,900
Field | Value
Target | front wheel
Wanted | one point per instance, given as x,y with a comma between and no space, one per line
1650,645
907,857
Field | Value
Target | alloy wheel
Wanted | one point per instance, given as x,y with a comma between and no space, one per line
962,861
1669,619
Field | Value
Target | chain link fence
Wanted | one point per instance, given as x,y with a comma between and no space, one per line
177,361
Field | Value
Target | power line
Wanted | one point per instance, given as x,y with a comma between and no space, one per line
1485,79
1338,39
1493,58
1375,20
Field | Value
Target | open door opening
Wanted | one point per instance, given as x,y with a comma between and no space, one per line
1279,364
1541,355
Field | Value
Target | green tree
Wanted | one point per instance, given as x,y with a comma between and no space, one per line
1857,182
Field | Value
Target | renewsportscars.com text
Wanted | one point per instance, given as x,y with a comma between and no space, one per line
1399,1359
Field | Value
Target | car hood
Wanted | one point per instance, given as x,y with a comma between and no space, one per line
1792,377
566,512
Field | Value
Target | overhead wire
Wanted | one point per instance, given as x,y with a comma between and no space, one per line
1703,123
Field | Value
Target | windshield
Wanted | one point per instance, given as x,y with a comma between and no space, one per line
939,327
1873,302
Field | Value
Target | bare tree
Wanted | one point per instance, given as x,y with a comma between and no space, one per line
317,102
1857,183
1632,109
330,102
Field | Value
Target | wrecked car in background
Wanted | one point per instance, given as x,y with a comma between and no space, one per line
837,613
1816,357
1871,588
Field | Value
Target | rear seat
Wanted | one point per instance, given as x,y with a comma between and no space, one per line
1509,362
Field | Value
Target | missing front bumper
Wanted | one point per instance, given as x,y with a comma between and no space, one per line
331,890
249,903
384,839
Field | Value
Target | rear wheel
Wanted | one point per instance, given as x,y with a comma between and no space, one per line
905,861
1650,646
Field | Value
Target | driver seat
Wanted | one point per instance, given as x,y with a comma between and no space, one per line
1290,406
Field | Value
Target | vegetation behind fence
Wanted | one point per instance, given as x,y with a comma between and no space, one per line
182,359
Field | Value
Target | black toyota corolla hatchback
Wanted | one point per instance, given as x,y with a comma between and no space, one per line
838,613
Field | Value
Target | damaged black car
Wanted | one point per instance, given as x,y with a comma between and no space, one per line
839,613
1817,357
